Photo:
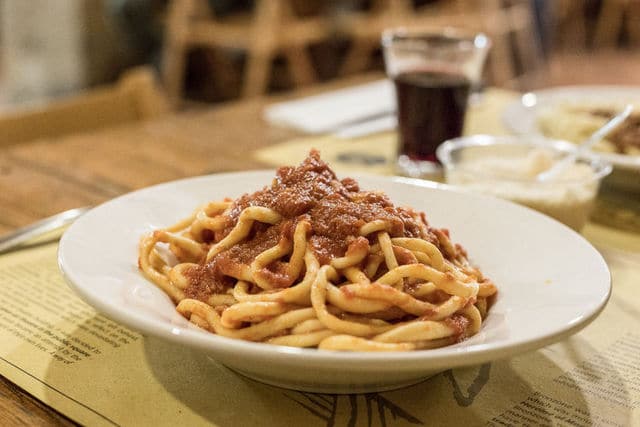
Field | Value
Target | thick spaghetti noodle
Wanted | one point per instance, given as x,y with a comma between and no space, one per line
311,261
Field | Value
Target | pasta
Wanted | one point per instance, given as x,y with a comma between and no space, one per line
312,261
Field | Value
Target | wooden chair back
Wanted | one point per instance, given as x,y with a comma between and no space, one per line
271,28
134,97
615,17
516,48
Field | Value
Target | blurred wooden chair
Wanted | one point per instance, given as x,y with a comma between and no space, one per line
516,44
570,25
363,29
271,28
616,16
516,59
134,97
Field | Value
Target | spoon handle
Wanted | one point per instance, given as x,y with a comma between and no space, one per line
569,159
25,234
604,130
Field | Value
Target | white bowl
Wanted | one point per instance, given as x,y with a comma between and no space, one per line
551,282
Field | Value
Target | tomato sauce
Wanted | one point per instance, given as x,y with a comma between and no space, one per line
336,209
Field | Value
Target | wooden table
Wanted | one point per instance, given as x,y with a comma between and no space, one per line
44,177
47,176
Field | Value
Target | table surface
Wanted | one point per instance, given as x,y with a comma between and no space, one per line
47,176
43,177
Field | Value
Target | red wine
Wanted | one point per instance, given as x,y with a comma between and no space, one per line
431,109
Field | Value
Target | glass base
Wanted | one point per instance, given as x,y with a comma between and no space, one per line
424,169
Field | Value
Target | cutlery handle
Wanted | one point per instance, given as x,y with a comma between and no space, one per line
24,234
606,129
584,146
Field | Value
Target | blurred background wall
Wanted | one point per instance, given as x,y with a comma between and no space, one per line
42,49
207,50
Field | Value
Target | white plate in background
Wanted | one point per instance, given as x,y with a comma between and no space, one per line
521,116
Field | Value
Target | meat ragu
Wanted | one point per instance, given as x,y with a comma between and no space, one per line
336,209
314,261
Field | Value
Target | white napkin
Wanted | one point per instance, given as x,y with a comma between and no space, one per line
364,128
332,110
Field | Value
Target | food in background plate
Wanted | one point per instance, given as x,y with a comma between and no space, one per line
313,261
575,123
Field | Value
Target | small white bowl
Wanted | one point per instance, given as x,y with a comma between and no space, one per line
506,167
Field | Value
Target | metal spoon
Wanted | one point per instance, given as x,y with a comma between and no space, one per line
556,169
25,234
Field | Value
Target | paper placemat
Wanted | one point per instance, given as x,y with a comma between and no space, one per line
371,154
98,372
